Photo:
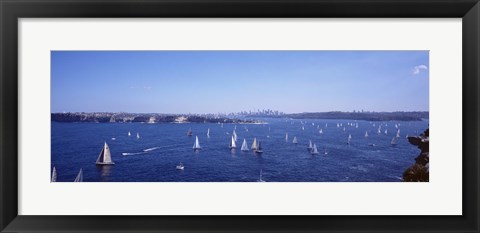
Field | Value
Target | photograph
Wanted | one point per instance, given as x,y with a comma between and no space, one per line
239,116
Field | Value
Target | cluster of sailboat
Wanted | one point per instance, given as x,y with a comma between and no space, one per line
105,158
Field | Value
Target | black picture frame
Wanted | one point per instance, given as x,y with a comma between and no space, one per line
11,11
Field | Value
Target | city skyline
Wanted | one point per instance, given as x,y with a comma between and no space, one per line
202,82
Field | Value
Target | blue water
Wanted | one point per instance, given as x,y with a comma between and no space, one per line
161,147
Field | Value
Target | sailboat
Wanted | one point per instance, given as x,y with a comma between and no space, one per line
394,141
321,131
234,135
259,148
260,180
286,137
105,158
366,134
244,145
386,131
54,175
295,141
129,134
254,144
138,136
232,145
180,167
349,138
222,125
398,133
208,133
310,145
325,151
196,146
189,132
314,150
79,177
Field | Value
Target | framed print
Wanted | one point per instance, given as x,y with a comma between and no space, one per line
177,116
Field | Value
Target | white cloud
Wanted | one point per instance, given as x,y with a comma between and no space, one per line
416,70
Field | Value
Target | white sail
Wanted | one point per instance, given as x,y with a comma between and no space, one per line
233,144
79,177
295,141
386,131
366,134
398,133
104,158
208,133
349,138
260,180
54,175
244,145
321,131
138,136
310,144
314,150
286,137
129,134
254,144
394,141
196,146
234,135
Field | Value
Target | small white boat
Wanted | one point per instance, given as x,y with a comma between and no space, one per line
314,150
180,167
138,136
310,146
394,141
189,132
295,141
254,144
259,149
54,175
366,134
79,177
208,133
234,135
349,139
105,158
260,179
129,134
321,131
113,139
244,145
196,146
232,144
286,137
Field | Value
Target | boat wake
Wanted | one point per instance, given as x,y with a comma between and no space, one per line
145,151
137,153
150,149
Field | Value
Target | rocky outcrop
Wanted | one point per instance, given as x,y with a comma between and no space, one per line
419,172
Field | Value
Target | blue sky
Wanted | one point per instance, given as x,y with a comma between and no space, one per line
232,81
